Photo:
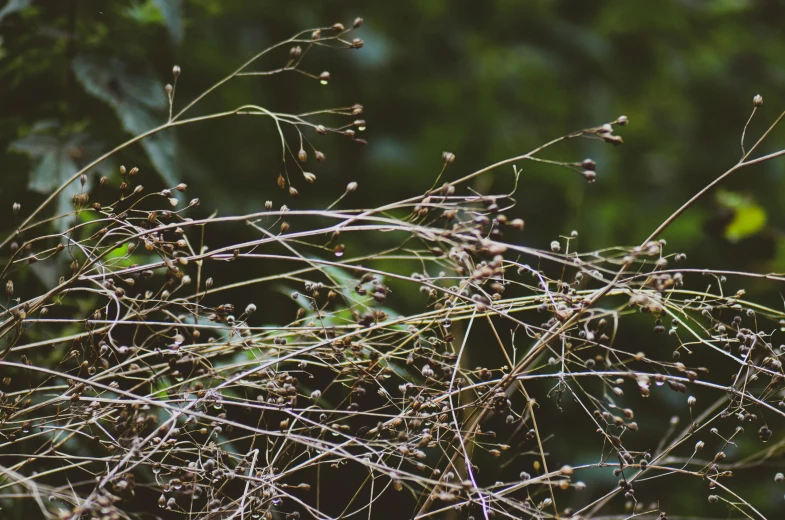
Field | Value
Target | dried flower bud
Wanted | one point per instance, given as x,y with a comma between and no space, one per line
16,208
169,89
320,129
351,187
448,157
357,22
181,187
176,71
122,170
9,288
293,191
310,178
757,101
517,224
357,43
133,171
104,181
319,156
691,401
622,121
324,77
555,246
281,181
338,27
588,164
268,205
589,175
699,445
302,156
316,34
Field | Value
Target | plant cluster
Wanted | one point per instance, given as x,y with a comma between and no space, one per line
136,386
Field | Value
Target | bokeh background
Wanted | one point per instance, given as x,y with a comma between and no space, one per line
485,80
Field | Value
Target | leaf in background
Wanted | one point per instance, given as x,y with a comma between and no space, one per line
165,12
172,11
55,157
135,97
13,6
748,217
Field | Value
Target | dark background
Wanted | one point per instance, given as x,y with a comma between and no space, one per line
485,80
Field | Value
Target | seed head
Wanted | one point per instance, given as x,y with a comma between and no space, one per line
351,187
302,156
176,71
357,22
293,191
357,43
448,157
16,207
757,101
588,164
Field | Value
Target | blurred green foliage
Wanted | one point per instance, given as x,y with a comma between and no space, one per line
485,80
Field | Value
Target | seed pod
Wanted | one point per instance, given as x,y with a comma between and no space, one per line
351,187
357,43
302,156
757,101
357,22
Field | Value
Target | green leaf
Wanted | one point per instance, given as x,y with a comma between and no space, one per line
748,218
13,6
172,11
164,12
56,155
135,97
